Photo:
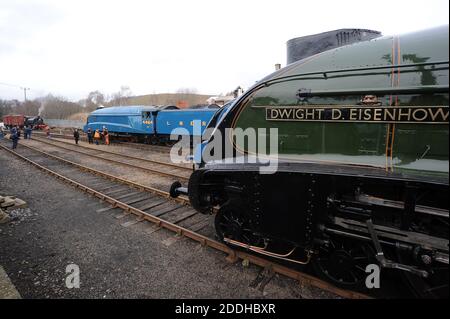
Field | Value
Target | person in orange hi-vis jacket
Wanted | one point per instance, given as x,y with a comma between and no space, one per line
97,137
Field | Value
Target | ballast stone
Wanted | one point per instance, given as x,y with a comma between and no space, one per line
4,217
19,203
7,288
8,201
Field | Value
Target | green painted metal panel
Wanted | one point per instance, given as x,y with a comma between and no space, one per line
422,148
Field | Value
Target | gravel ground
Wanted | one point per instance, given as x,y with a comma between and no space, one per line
61,227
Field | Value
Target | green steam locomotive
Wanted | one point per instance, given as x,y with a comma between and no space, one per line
340,160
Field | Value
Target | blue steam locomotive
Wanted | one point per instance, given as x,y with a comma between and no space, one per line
150,124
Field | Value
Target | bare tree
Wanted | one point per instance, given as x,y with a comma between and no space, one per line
93,100
120,97
56,107
30,107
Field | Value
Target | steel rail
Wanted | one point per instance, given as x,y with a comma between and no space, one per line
156,148
119,162
115,153
182,199
233,255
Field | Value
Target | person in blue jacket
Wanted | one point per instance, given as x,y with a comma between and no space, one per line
14,137
27,132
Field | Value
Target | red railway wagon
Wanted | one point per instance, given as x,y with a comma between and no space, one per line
13,120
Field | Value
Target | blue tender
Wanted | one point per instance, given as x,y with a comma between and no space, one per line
167,120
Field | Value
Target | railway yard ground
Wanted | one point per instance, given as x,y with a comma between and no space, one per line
117,257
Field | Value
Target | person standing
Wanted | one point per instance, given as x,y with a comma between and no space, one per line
47,131
106,135
76,135
89,136
12,131
30,129
14,137
103,134
97,137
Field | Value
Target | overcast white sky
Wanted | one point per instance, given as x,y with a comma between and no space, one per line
72,47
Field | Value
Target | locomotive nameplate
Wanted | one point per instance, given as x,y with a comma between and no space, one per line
360,113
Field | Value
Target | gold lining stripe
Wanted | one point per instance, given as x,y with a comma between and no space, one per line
398,62
393,101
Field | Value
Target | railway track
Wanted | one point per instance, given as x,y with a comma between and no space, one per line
156,206
158,167
83,137
141,159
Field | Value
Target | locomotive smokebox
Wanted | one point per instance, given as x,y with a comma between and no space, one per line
303,47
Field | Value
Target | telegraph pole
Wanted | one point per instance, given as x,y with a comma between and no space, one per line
25,93
25,89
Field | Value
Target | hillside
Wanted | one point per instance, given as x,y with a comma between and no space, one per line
165,99
148,99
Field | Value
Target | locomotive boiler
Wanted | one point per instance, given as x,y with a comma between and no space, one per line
360,172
